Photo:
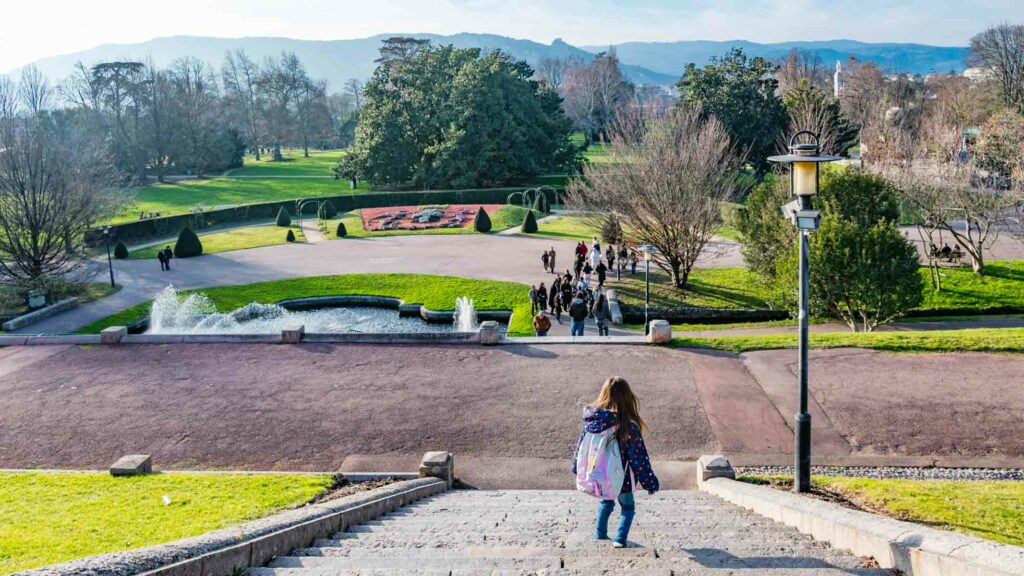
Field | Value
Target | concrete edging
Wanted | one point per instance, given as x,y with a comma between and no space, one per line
911,548
226,551
40,314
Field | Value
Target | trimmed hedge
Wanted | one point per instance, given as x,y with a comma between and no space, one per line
120,251
290,237
283,219
482,222
341,232
529,223
162,227
188,244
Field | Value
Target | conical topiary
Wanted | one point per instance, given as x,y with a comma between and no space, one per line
327,210
283,219
290,237
188,244
341,232
529,223
482,222
120,251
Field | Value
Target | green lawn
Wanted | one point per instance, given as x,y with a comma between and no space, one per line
54,517
12,304
987,509
969,340
319,163
436,292
1002,285
505,218
566,228
179,198
228,240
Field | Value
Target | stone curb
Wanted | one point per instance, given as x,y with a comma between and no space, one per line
613,306
914,549
226,551
40,314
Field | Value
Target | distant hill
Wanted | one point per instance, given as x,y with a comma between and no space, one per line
643,62
334,60
671,57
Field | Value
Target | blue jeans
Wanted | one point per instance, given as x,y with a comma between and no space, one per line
577,328
604,511
539,333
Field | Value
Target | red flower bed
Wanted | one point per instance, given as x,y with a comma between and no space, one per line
423,217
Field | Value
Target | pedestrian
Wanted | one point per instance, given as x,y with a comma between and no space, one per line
545,258
623,255
610,256
541,324
632,263
551,259
168,255
579,266
602,273
542,298
596,247
553,295
578,313
566,294
602,313
581,249
614,413
567,279
587,271
595,257
533,300
163,260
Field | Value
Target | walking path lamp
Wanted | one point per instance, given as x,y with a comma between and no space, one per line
803,177
110,263
649,252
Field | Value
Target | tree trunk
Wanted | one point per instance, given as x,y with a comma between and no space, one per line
977,264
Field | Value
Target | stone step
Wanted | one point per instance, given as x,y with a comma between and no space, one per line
478,551
533,563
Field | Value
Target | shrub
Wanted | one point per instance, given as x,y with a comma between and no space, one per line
283,219
290,237
341,232
188,244
482,222
529,223
540,203
120,251
327,210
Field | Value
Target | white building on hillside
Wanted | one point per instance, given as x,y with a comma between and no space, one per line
837,80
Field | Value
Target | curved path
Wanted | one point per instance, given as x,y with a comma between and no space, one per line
485,257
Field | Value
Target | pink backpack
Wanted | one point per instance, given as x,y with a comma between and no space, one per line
599,471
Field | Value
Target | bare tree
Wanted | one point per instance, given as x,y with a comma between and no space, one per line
311,111
354,88
241,76
196,97
665,191
54,184
811,108
120,87
801,65
552,71
34,90
594,94
1000,49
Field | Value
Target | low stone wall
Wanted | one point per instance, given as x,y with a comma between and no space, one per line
632,314
913,549
41,314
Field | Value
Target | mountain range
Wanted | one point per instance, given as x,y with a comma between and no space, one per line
643,62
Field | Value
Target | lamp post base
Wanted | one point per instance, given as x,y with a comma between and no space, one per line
802,479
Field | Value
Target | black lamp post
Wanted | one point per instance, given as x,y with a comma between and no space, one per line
110,262
648,251
804,160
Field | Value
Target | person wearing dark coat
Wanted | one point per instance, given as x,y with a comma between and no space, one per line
168,255
602,273
545,258
542,298
553,295
163,259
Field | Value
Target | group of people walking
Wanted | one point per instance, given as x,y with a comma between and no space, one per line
165,256
578,292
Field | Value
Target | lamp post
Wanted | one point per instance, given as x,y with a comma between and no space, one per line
804,179
110,263
648,251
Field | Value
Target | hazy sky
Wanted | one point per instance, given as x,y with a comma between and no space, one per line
38,28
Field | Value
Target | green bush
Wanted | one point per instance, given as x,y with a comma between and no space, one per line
188,244
290,237
341,232
529,223
283,219
120,251
482,222
327,210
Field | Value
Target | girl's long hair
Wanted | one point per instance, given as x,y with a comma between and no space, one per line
616,395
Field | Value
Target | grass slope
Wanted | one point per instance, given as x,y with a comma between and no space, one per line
55,517
969,340
228,240
436,292
319,163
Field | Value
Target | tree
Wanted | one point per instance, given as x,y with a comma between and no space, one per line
290,237
741,93
1000,49
354,88
341,232
767,236
188,244
1000,146
241,77
55,184
811,108
482,222
552,71
801,66
120,250
529,223
595,94
451,118
666,191
120,89
283,219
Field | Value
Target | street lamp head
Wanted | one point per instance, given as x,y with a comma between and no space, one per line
648,251
804,159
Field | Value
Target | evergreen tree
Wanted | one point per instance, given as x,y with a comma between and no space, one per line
341,232
188,244
120,251
283,219
529,223
482,222
290,237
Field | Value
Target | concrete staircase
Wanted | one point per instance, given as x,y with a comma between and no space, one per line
551,533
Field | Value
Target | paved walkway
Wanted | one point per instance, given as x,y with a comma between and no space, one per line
517,532
511,413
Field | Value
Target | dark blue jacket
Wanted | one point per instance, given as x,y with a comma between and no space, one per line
633,451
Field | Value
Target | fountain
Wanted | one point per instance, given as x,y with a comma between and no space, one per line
465,315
